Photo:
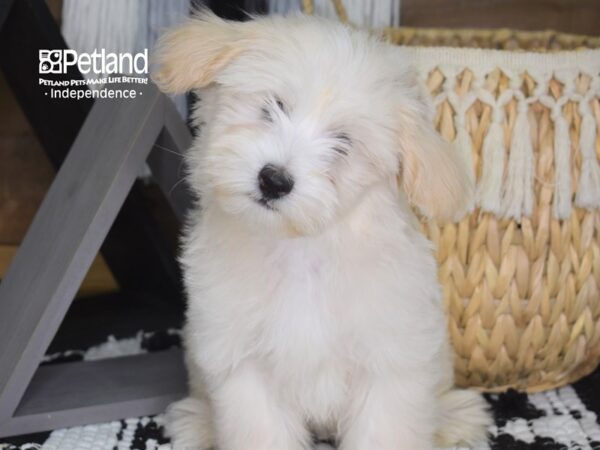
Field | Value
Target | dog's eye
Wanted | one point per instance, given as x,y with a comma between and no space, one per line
343,143
279,104
265,113
269,106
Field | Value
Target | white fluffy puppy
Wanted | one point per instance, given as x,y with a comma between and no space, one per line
314,305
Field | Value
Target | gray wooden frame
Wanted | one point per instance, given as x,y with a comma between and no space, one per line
61,243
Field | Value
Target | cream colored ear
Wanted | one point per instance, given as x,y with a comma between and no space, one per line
191,55
433,174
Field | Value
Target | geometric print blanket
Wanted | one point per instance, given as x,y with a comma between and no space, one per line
561,419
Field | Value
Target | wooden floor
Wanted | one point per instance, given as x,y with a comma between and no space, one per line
98,281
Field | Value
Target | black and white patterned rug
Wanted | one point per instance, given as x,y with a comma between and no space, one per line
561,419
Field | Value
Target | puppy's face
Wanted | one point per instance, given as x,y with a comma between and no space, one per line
302,117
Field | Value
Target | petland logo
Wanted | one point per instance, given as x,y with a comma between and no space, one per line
100,69
98,62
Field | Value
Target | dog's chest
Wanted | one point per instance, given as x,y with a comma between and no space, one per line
301,302
301,334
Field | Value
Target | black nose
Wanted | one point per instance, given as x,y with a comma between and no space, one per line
274,182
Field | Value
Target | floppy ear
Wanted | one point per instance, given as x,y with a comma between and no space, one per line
191,55
432,172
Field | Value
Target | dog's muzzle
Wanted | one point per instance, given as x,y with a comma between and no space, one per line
274,182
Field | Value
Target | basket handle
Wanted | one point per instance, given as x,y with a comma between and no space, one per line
340,10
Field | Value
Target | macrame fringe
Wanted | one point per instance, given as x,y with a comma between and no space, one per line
285,6
490,183
588,190
562,166
113,25
517,199
464,145
120,26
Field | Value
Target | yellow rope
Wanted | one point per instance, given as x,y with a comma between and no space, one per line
340,10
309,8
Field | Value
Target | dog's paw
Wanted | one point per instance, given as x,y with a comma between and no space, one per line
465,419
189,425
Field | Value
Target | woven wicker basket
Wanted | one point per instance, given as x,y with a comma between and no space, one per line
521,274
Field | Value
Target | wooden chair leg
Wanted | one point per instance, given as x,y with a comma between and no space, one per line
42,280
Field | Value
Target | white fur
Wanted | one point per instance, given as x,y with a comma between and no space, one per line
324,312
